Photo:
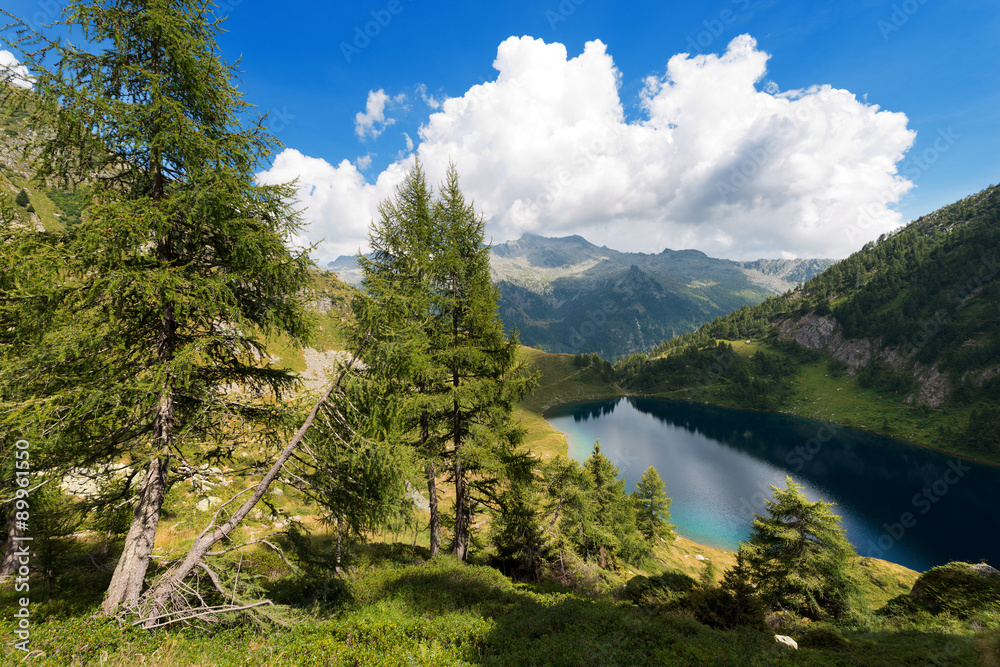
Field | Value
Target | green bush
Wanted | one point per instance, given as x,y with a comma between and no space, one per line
666,589
902,606
958,589
822,635
719,607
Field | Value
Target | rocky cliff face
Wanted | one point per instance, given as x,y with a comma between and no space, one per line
823,333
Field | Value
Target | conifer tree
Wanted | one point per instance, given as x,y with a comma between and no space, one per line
439,349
652,506
619,536
484,374
799,557
394,310
153,345
569,510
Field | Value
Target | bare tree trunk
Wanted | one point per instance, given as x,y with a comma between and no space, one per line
461,542
340,542
130,573
435,517
9,566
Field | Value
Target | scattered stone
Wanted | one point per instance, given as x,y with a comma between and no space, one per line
700,557
419,501
86,483
208,503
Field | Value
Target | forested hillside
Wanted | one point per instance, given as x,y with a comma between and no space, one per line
913,319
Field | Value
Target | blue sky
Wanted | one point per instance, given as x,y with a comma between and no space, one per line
604,140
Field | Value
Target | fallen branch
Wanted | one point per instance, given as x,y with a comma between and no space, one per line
185,615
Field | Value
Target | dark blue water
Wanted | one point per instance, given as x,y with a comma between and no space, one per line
905,504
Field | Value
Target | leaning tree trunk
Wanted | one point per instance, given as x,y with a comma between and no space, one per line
157,599
130,573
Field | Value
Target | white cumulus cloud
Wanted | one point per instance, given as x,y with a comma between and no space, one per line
13,72
721,159
373,120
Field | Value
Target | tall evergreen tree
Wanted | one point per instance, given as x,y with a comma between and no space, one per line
485,376
439,348
394,310
154,349
799,557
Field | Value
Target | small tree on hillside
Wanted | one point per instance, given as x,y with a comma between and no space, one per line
22,198
620,536
652,506
799,558
439,349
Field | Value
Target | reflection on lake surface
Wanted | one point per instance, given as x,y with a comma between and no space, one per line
905,504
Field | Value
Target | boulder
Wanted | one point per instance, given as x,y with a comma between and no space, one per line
787,641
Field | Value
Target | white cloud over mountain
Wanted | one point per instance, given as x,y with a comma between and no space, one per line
721,160
13,72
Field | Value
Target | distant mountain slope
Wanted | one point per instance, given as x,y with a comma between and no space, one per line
569,295
912,319
51,206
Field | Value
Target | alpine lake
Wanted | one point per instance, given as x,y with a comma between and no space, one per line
898,502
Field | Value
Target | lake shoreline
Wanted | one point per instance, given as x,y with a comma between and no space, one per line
718,493
853,427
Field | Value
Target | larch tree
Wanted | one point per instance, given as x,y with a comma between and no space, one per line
799,558
394,310
484,375
619,535
652,506
439,349
154,349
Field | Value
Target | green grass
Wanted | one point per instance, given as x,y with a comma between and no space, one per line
395,608
561,382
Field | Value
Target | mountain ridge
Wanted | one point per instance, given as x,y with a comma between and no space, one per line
568,295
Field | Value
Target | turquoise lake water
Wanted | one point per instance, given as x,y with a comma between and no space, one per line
906,504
